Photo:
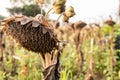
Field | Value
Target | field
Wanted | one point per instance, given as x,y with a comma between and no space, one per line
96,59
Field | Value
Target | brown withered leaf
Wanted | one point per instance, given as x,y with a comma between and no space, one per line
35,23
8,19
44,30
51,34
19,16
18,19
25,20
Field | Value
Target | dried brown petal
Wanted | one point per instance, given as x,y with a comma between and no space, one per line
51,33
44,31
8,19
35,23
18,19
25,20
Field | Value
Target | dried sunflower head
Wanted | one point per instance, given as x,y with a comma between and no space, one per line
59,6
79,25
109,22
64,18
70,11
32,34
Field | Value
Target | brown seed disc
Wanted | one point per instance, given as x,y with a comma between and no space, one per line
37,39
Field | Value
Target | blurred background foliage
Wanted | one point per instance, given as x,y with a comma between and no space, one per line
27,10
2,17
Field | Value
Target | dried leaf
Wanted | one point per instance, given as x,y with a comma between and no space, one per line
35,23
18,19
51,34
8,19
44,30
3,26
25,20
19,16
